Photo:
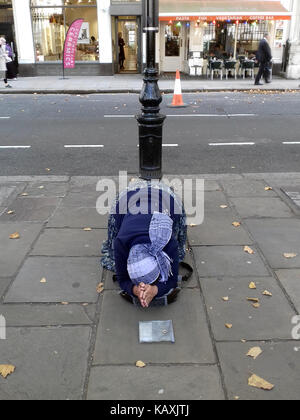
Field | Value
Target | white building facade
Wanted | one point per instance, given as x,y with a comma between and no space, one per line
190,32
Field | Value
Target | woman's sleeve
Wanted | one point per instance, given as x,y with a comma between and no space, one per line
121,257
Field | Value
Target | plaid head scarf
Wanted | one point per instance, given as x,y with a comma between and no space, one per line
146,262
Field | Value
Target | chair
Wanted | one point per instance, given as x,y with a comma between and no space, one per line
230,65
215,66
248,65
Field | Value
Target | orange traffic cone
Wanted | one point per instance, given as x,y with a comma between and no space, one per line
177,98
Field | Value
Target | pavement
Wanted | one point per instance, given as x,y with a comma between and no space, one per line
133,83
69,341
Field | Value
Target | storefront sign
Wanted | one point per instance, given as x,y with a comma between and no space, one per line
222,18
71,44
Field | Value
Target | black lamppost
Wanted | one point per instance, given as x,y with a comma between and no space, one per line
150,120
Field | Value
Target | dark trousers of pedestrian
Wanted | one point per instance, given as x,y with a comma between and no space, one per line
264,72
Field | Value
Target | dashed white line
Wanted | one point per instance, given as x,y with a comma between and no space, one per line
15,147
291,142
189,116
4,118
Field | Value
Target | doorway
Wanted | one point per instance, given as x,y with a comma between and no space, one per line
173,45
127,44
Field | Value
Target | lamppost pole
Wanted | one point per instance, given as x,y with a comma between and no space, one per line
150,120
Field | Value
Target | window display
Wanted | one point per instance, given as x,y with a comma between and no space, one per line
51,20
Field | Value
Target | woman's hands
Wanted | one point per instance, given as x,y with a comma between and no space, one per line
146,293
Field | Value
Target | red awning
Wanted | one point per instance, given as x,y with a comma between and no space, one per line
223,10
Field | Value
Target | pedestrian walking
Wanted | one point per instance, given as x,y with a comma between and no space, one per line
121,51
145,248
10,65
3,60
264,56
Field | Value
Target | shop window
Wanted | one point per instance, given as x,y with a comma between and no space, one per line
172,40
51,20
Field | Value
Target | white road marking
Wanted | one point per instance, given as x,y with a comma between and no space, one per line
79,146
232,144
15,147
189,116
4,118
166,145
291,142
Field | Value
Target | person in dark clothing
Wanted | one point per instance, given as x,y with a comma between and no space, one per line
121,51
264,56
11,68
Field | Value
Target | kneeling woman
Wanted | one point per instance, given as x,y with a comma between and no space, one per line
145,249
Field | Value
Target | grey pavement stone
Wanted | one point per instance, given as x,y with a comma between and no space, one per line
88,183
278,364
276,237
13,251
81,199
70,243
76,217
155,383
290,279
229,261
18,315
217,229
247,188
8,192
118,339
272,320
261,207
36,209
51,363
47,189
67,280
34,178
4,283
2,209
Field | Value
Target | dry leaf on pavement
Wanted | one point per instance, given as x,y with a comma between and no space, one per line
229,326
255,300
6,370
10,212
43,280
87,229
289,255
236,224
252,285
267,293
257,382
224,206
100,287
268,189
256,305
248,250
15,235
225,298
140,364
254,352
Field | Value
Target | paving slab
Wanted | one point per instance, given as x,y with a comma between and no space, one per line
4,283
8,192
276,237
278,364
218,230
13,251
155,383
261,207
67,280
290,279
27,315
76,217
51,363
81,199
272,320
70,243
88,183
228,261
47,189
2,210
247,188
36,209
119,321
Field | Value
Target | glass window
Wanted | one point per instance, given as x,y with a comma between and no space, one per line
51,20
172,39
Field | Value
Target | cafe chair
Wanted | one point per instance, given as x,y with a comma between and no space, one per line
248,66
215,67
230,66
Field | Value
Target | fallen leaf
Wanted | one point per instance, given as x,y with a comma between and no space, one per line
229,326
43,280
252,285
140,364
257,382
224,206
248,250
253,300
267,293
290,255
87,229
100,287
226,299
10,212
254,352
256,305
48,169
15,235
268,189
41,187
6,370
236,224
65,303
244,341
192,225
24,194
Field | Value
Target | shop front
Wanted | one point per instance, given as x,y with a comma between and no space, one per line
7,29
193,31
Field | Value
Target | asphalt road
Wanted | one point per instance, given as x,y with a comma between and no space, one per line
216,133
